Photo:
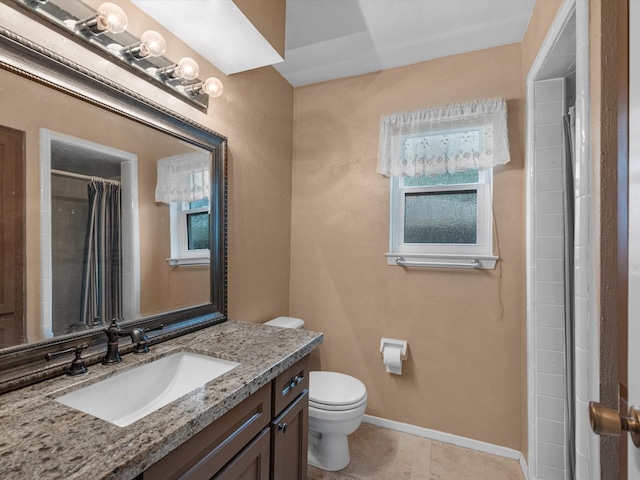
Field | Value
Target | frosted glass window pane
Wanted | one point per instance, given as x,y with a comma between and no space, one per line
441,217
198,231
204,202
468,176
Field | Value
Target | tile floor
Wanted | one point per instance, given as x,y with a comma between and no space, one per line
383,454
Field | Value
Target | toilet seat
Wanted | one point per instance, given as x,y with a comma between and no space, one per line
335,391
338,408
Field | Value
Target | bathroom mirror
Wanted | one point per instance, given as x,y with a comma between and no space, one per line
79,125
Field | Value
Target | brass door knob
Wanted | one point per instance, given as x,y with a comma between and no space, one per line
607,421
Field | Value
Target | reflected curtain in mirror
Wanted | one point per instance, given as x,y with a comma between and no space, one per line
102,277
183,178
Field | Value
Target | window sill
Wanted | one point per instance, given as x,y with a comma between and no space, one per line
188,262
471,262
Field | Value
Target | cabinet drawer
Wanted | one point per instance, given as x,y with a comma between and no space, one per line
208,451
289,384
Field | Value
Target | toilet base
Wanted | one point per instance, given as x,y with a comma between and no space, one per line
328,452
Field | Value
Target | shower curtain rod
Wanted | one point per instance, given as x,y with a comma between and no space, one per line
84,177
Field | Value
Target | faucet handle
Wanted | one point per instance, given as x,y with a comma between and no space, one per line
77,366
157,327
112,331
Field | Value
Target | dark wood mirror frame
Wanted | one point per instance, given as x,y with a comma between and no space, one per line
24,364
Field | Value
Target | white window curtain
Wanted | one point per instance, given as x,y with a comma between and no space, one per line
447,139
183,178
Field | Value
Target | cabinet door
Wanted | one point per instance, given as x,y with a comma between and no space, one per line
289,441
252,463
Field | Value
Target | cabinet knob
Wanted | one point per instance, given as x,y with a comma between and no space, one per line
283,427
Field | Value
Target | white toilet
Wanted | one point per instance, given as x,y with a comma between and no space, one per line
336,406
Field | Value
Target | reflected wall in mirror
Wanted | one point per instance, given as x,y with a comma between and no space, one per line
72,138
78,124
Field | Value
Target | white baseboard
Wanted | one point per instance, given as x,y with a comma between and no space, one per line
450,438
524,467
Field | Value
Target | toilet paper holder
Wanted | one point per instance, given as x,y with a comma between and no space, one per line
392,342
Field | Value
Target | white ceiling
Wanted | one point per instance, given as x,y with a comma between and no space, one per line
216,29
329,39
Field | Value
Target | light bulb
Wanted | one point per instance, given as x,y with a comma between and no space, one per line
212,87
187,68
152,44
108,18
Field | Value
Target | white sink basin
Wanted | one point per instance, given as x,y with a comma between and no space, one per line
131,395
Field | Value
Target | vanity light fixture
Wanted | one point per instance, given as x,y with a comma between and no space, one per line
108,18
151,44
186,69
105,30
211,86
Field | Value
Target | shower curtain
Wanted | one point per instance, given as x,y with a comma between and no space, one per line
568,168
102,275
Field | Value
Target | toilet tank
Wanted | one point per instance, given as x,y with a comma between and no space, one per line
286,322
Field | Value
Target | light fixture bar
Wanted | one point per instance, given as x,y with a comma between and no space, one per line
105,30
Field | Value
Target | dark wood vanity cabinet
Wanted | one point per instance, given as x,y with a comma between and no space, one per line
264,437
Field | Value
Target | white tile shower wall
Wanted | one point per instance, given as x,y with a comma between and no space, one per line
69,207
548,279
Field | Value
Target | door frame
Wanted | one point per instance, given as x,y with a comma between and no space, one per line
586,337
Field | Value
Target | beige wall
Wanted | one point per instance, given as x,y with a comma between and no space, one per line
256,114
465,328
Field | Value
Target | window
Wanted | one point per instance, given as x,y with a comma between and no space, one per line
447,216
440,161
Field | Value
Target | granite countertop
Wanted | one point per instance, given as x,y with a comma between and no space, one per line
43,439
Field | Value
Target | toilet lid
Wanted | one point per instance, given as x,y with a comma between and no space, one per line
335,389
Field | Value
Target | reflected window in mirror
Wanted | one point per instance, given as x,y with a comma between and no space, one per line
190,232
183,183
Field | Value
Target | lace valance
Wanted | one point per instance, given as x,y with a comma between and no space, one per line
451,138
183,178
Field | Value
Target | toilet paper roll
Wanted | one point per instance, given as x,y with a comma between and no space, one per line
392,357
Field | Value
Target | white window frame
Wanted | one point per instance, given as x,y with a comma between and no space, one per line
180,253
478,255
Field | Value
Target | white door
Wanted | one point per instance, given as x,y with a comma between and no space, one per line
634,225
